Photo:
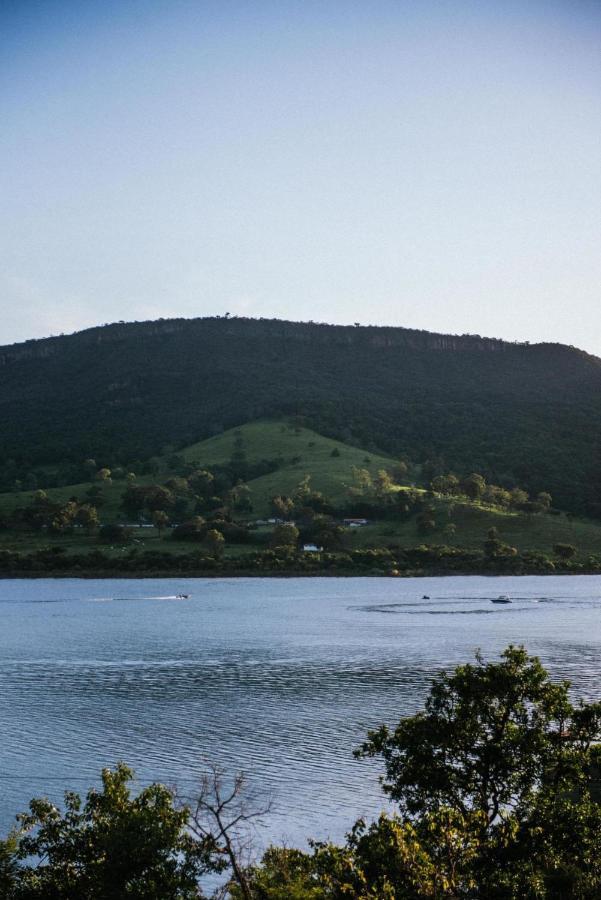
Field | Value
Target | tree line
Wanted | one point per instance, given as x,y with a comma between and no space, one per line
287,559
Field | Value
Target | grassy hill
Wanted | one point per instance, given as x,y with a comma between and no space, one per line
519,414
300,451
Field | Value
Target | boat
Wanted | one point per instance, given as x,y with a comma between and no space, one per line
502,598
182,596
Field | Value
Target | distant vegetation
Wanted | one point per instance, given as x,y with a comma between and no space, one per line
124,395
276,497
496,794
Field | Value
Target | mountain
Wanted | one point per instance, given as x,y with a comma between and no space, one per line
517,413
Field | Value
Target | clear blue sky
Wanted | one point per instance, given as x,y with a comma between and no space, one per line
428,164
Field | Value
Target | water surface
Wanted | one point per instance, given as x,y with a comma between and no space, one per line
280,678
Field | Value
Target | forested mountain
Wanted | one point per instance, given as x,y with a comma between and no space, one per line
517,413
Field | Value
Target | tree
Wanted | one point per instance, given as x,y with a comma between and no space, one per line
110,845
432,467
289,874
491,732
202,483
363,484
492,545
87,517
115,534
282,506
383,484
518,497
193,529
216,542
63,517
146,497
564,551
496,496
492,782
445,484
302,491
160,520
240,498
284,536
473,486
326,533
400,471
95,496
220,817
238,461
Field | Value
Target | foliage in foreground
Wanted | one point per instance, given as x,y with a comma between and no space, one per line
110,845
496,784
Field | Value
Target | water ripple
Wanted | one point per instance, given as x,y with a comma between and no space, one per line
280,678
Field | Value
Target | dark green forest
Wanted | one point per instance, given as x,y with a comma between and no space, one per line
520,414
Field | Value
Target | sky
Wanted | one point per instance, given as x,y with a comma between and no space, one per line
426,164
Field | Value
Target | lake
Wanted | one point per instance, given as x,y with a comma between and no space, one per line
278,677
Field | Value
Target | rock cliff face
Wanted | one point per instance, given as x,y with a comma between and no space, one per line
351,336
512,411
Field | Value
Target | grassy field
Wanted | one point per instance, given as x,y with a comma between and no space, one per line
110,511
525,533
539,532
300,451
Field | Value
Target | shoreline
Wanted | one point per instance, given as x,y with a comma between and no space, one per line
170,576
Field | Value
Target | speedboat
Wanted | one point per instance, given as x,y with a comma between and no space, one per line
502,598
182,596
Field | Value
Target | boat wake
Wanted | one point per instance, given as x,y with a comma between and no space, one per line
133,599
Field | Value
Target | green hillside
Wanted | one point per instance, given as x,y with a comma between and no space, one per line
295,452
520,414
300,451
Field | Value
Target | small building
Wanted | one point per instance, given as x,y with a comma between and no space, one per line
311,548
354,523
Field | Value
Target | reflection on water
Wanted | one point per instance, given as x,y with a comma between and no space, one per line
281,678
